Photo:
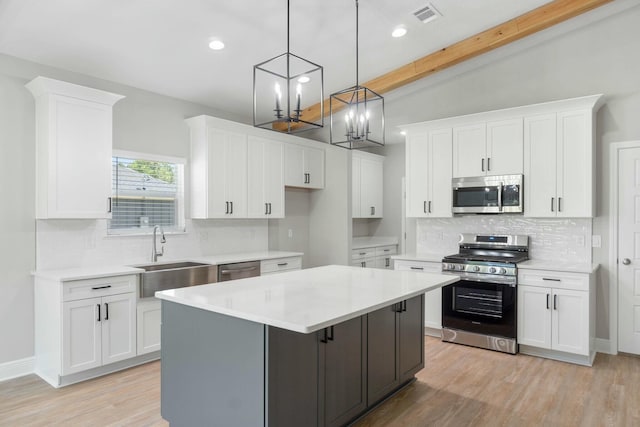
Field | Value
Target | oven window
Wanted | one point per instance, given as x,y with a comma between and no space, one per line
475,196
481,302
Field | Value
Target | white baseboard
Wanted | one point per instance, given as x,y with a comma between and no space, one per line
16,368
604,346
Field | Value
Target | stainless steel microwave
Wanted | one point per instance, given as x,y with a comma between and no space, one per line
488,194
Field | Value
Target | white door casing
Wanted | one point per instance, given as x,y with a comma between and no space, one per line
628,250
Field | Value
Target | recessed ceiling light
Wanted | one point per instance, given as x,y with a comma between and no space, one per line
403,132
216,45
399,32
304,79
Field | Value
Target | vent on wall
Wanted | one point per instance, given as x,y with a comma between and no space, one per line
427,13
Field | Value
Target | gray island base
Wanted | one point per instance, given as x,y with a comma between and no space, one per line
224,370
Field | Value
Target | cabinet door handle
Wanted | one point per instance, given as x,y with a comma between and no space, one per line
559,204
227,207
552,204
101,287
266,208
98,312
425,206
483,165
387,262
106,311
488,164
429,206
373,210
109,202
548,301
330,337
324,336
555,302
269,208
363,264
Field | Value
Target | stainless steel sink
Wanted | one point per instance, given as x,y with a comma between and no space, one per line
160,277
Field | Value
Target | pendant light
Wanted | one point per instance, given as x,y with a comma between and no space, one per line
282,87
357,114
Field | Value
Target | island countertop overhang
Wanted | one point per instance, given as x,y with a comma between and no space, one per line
308,300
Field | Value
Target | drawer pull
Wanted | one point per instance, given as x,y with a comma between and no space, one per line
362,253
283,264
551,280
417,268
101,287
387,250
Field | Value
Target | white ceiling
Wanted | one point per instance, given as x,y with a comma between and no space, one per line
162,45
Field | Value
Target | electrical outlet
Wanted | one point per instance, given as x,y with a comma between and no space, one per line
290,233
596,241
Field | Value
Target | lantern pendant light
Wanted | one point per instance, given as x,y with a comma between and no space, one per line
282,87
357,114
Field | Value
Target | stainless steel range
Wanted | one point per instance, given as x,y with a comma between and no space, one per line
480,309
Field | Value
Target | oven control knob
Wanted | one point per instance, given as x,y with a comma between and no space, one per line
492,270
451,267
461,267
503,271
476,268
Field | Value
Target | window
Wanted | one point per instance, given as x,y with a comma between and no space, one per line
147,190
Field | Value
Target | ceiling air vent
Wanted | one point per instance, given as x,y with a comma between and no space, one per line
427,13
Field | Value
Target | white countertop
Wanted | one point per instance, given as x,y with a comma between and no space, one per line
93,272
372,241
414,257
244,256
308,300
571,267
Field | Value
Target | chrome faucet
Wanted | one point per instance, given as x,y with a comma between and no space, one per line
154,252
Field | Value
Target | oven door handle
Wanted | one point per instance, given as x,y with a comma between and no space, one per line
500,197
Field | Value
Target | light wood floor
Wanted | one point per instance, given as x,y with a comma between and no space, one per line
460,386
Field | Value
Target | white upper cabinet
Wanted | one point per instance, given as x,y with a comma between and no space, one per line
428,170
218,171
559,164
234,173
469,150
367,185
266,178
304,166
73,149
505,147
488,148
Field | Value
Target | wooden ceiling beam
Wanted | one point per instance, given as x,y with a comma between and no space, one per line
515,29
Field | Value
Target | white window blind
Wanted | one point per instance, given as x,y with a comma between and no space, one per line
146,193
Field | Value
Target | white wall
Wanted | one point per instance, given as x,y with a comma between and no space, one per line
143,122
297,202
595,57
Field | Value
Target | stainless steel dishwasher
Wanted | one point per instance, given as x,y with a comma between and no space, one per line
238,270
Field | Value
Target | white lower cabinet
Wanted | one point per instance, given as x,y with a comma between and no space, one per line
432,299
148,325
83,324
279,265
374,257
556,315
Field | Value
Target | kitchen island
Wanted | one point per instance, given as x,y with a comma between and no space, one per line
312,347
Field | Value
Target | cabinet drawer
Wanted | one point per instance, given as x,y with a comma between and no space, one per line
357,254
280,264
386,250
424,266
91,288
554,279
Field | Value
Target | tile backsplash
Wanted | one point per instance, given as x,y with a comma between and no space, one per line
85,243
551,239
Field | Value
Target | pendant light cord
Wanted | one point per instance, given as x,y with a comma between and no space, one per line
357,54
